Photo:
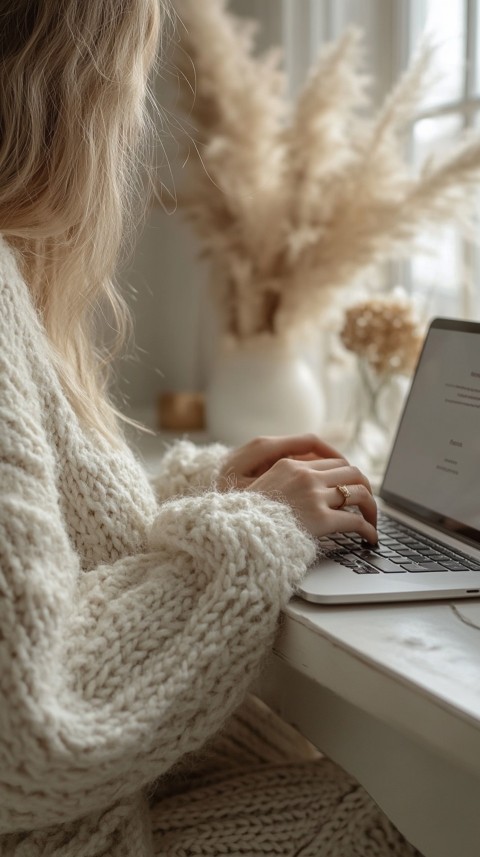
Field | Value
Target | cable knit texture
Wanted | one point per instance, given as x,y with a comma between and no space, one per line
131,627
185,468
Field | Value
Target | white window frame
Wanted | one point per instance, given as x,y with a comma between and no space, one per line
466,106
308,23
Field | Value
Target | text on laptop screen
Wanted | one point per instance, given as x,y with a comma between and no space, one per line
434,465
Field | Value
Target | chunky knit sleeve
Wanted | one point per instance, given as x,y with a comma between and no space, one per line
108,677
187,468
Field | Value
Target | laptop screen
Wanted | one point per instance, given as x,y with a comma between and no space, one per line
434,467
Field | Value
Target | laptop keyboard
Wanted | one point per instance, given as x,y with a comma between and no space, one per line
401,549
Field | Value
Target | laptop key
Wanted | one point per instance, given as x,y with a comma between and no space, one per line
363,568
359,570
351,558
388,552
424,566
456,566
433,566
413,557
383,564
327,546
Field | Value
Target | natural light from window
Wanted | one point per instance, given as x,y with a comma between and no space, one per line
443,274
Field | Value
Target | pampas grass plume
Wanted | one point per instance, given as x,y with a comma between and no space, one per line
293,202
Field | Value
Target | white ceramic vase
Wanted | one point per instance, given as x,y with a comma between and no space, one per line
262,387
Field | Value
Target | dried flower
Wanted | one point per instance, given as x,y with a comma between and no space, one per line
384,332
293,201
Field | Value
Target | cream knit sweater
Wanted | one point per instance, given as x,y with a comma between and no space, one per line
130,627
132,622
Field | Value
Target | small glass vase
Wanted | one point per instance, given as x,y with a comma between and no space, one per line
262,387
378,407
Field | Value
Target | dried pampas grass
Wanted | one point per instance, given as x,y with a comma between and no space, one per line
292,202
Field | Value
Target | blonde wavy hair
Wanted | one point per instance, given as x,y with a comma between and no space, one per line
73,125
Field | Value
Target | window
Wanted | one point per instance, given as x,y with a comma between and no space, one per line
443,275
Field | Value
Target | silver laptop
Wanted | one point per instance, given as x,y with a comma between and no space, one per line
429,503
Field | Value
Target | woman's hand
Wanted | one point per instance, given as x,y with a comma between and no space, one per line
245,464
303,471
310,488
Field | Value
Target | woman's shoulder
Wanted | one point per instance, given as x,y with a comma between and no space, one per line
8,259
25,376
20,325
13,289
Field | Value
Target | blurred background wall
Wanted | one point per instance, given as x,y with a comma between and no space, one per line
175,331
175,327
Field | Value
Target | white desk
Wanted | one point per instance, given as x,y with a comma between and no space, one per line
392,693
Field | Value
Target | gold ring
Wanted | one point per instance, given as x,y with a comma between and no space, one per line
345,494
